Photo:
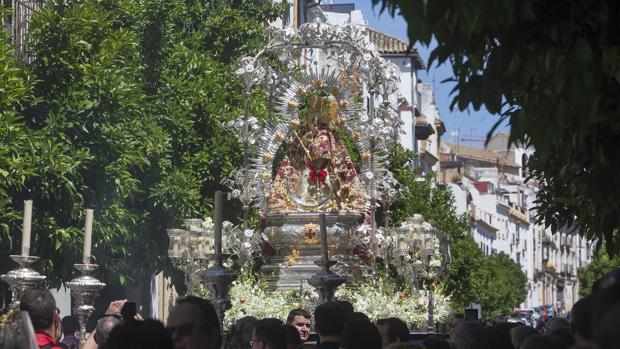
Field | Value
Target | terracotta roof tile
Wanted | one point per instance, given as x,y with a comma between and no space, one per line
387,44
478,154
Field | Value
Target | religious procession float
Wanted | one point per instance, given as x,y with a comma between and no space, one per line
315,170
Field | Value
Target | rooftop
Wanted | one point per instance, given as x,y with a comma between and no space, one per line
477,154
387,44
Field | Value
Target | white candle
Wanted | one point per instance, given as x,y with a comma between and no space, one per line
26,228
88,236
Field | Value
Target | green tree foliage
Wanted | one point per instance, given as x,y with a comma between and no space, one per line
123,109
552,70
504,282
15,165
601,264
495,282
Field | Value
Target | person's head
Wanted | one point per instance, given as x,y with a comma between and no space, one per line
611,278
496,338
148,334
555,324
538,341
240,334
392,330
104,327
41,307
506,327
329,319
194,324
580,316
357,315
468,335
520,333
602,302
293,340
302,321
70,325
348,306
606,333
361,334
435,342
269,334
563,334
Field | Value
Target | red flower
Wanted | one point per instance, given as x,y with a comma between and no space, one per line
242,301
316,175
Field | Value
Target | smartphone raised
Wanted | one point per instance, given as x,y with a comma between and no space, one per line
129,311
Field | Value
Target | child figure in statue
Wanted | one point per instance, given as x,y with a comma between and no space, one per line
317,173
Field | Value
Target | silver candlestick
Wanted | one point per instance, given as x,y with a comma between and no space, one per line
326,281
84,289
22,279
188,250
217,279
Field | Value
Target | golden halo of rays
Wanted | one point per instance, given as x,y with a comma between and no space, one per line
345,40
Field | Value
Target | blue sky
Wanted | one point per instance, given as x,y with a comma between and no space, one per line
470,123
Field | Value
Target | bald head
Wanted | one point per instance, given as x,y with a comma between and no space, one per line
105,325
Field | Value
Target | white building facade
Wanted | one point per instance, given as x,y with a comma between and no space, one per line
491,183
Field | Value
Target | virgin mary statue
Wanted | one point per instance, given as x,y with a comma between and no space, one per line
317,173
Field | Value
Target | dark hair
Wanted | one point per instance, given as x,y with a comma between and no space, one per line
356,315
506,327
210,319
611,278
104,327
297,312
148,334
519,333
603,302
397,328
538,341
240,333
41,307
469,335
292,336
580,316
348,306
435,342
329,319
70,324
497,338
272,332
606,333
361,334
563,334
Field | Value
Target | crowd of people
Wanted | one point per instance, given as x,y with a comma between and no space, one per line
193,323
